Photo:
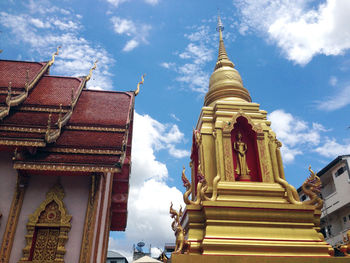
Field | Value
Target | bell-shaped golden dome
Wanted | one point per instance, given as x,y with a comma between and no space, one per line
225,83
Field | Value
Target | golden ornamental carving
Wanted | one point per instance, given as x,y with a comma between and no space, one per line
90,220
52,135
229,125
93,128
138,85
188,187
53,56
47,229
242,166
88,77
292,194
12,101
204,186
312,188
64,167
229,176
181,244
13,216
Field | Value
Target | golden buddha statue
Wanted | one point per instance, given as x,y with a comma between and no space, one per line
242,167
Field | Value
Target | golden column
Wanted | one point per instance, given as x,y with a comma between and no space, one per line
241,204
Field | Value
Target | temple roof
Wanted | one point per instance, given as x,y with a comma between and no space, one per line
53,124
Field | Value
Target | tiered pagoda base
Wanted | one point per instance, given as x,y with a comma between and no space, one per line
247,224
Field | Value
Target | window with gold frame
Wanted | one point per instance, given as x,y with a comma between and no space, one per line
47,229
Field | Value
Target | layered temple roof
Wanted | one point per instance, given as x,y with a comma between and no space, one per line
54,125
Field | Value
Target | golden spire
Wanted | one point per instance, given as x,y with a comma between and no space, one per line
223,59
225,82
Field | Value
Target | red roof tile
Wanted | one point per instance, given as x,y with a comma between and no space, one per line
16,71
53,91
102,108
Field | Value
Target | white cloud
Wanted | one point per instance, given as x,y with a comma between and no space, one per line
337,101
299,29
116,3
130,45
333,80
152,2
172,115
168,65
150,196
196,55
137,32
331,148
296,135
77,54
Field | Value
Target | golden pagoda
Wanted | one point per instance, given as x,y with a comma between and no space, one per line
239,207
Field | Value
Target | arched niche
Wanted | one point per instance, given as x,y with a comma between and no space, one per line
249,138
47,229
195,160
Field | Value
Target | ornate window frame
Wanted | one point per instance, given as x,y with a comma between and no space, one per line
55,194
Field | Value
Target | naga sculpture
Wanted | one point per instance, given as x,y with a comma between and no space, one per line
311,187
188,187
345,248
181,243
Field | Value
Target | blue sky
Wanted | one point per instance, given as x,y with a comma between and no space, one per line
292,55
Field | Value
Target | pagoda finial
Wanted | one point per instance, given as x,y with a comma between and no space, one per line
223,59
54,55
225,82
88,77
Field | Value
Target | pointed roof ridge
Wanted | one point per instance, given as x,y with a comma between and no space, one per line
223,59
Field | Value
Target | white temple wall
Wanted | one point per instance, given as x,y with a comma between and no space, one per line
8,178
76,190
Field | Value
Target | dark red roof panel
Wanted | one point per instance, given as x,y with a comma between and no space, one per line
53,91
15,72
103,108
29,119
90,139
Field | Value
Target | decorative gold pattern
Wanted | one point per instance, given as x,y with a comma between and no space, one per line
22,129
50,223
85,151
91,128
181,243
264,161
12,220
22,143
229,176
138,85
60,167
90,218
42,109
